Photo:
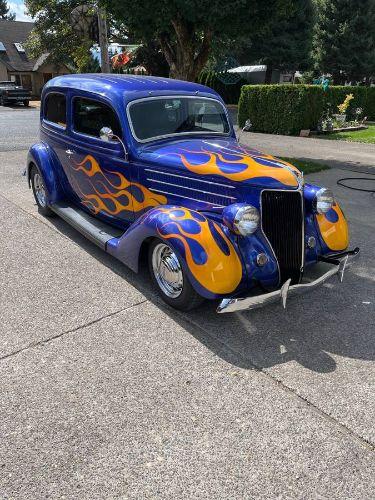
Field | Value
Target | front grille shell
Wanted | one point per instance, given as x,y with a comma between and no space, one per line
282,215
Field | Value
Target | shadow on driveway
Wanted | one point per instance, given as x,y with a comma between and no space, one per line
332,319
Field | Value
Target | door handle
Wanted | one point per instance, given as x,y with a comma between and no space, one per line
70,152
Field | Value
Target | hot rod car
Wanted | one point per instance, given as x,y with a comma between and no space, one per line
151,166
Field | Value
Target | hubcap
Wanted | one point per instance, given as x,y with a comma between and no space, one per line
167,270
40,192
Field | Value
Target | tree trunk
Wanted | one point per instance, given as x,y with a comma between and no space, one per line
186,56
269,72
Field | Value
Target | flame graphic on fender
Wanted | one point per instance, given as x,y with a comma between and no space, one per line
239,165
112,196
209,254
334,228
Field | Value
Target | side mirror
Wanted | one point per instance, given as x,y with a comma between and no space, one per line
106,134
247,126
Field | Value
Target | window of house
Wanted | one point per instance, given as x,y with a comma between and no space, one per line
55,109
90,116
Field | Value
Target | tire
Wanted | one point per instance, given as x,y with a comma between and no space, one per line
40,192
176,291
26,103
2,102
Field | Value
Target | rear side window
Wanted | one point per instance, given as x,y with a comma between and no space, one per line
90,116
55,109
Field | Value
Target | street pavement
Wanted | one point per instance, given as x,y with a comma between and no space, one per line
107,393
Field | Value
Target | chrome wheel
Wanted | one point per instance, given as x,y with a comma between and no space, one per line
167,270
39,190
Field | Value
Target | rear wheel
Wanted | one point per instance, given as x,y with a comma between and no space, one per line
40,192
170,279
2,102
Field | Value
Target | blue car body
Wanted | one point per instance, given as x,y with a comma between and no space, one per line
183,190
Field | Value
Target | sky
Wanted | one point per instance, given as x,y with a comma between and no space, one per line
18,7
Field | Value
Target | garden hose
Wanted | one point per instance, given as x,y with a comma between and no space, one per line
340,182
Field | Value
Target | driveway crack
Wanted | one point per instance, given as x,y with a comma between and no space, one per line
343,428
42,342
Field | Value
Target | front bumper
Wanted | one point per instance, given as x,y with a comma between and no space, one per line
337,266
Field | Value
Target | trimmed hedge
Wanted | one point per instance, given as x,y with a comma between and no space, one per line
288,109
230,93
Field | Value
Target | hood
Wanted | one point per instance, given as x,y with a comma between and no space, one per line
224,159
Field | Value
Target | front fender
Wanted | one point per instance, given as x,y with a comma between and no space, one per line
208,253
46,161
331,228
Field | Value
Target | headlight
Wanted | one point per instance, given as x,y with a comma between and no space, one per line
324,201
242,219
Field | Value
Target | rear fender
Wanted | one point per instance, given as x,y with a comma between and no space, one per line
208,253
47,163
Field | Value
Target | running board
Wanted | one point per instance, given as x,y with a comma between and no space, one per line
95,230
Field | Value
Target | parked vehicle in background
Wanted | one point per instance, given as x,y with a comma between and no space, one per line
11,93
151,166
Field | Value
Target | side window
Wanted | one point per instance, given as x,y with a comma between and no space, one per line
90,116
55,109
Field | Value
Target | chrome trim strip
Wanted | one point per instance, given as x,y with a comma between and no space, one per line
178,134
187,198
190,189
189,178
249,303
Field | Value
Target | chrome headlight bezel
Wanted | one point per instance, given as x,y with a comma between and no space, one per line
324,201
246,220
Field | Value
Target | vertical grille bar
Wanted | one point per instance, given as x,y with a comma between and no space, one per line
282,223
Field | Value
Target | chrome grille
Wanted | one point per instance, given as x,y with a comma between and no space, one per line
282,223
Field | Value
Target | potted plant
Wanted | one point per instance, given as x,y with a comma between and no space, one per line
341,117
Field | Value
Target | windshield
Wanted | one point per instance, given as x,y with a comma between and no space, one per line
160,117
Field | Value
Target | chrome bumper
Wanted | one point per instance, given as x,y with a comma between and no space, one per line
254,302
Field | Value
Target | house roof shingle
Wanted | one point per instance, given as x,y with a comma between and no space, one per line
12,32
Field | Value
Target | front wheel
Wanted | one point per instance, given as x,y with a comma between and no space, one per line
26,103
40,192
170,279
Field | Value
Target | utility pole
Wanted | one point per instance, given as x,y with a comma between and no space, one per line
103,40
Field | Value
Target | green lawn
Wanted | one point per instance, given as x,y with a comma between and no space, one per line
367,135
307,167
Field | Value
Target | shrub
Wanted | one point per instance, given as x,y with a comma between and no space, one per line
288,109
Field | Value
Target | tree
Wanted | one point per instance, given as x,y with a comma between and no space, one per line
4,11
344,42
185,29
53,33
287,43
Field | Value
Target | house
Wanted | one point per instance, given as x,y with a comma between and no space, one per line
15,64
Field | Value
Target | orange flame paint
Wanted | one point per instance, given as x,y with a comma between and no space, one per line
287,176
335,234
221,273
112,200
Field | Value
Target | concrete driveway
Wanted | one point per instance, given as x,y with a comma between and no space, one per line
106,393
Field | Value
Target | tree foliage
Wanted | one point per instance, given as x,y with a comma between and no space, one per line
287,43
185,29
344,42
5,11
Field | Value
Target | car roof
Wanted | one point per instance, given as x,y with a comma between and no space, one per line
129,86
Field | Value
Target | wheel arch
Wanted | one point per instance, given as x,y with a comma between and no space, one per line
43,158
209,256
